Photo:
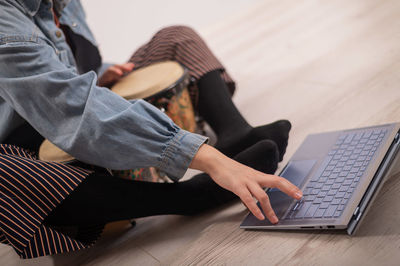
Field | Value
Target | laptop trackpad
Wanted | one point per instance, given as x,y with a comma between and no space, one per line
295,172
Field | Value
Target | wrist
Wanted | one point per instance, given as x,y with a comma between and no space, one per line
207,159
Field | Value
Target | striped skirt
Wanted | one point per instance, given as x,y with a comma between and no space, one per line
182,44
30,189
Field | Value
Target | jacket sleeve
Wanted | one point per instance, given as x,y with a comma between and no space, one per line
89,122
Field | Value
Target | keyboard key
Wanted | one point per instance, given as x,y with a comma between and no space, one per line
314,191
332,192
347,153
340,208
335,186
343,188
330,182
333,175
328,198
311,210
309,198
347,168
324,205
344,173
354,170
319,185
348,182
326,173
311,185
367,134
377,131
361,158
330,167
374,137
340,164
317,200
322,180
358,136
349,138
307,191
353,157
350,177
330,211
326,188
339,180
344,201
336,201
337,214
303,209
337,170
337,157
340,195
319,213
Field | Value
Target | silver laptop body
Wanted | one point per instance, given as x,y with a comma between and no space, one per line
340,173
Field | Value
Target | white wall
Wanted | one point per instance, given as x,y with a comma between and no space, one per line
120,26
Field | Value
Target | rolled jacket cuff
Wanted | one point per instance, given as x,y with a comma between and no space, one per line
179,153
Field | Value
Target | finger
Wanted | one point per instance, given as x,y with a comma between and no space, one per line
282,184
265,203
115,70
248,200
127,67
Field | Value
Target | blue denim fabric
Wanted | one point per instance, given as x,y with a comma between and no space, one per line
39,83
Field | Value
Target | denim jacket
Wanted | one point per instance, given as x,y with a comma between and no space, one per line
40,83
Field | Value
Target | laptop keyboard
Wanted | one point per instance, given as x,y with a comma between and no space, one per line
330,189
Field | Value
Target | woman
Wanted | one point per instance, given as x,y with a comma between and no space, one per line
49,88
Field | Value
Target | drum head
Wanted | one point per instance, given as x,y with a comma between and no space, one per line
50,152
149,80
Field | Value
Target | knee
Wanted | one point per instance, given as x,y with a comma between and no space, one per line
178,31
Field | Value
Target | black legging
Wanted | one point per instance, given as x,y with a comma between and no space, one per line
102,198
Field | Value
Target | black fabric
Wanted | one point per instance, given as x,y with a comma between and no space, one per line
233,132
102,198
87,56
25,136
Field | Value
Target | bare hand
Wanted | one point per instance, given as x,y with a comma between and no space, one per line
244,181
114,73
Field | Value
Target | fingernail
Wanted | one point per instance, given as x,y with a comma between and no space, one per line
299,194
274,219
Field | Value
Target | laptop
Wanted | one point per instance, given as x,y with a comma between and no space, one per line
340,174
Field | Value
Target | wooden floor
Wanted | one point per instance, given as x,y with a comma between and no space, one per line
324,65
